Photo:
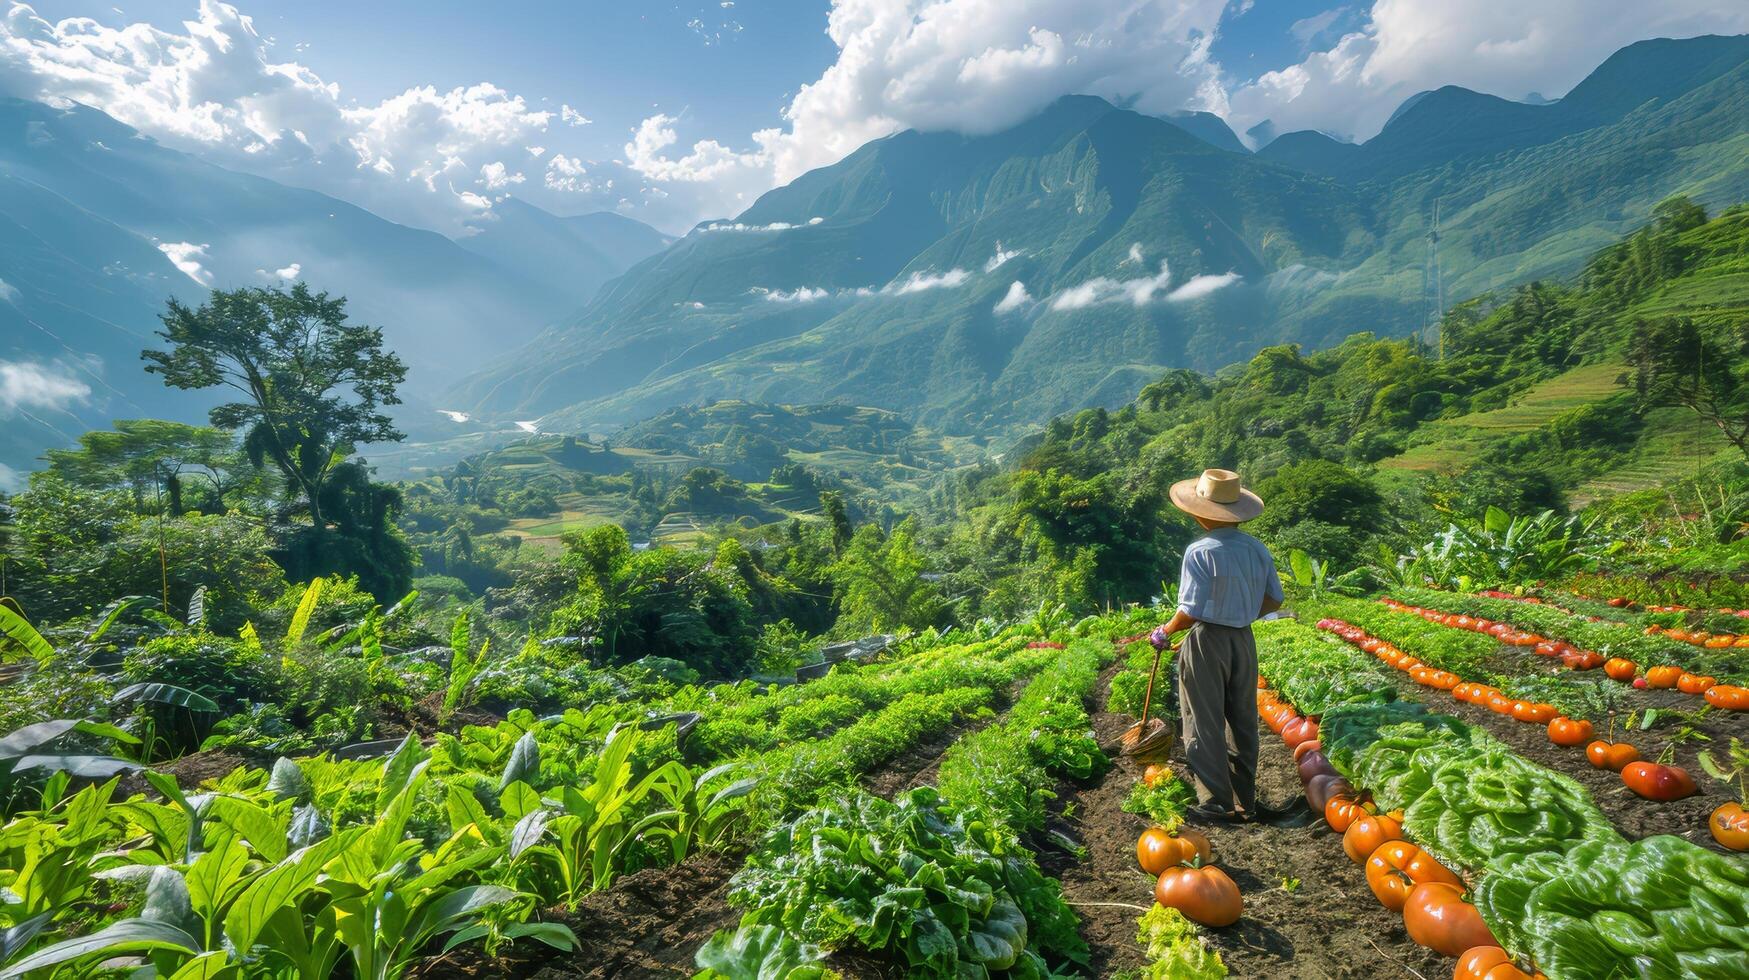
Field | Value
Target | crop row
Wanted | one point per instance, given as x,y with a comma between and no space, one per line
803,711
1587,644
1552,878
935,879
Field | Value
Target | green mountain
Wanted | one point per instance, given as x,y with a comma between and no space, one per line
889,278
100,225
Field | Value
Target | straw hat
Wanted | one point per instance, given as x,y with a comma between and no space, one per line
1216,495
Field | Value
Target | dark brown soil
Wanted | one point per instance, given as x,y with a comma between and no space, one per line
1633,815
1328,925
1107,881
648,924
190,771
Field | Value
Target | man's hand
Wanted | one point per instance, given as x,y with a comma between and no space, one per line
1160,638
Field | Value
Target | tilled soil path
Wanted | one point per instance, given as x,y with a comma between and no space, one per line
1309,914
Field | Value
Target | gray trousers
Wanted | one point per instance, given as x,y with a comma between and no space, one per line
1217,695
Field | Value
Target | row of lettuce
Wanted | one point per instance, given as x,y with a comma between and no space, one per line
1553,879
316,862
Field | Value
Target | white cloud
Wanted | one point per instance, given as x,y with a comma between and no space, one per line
1014,299
1502,47
1306,29
806,294
26,385
454,416
532,427
1200,286
286,274
1101,289
572,117
921,281
217,87
186,256
496,176
536,151
1135,257
774,226
567,174
1000,259
8,291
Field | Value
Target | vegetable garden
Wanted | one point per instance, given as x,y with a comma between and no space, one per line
1500,782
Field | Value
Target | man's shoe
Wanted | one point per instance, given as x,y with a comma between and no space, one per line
1294,814
1211,813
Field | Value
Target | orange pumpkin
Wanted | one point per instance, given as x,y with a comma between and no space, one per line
1397,866
1730,697
1663,676
1534,712
1204,895
1620,669
1364,835
1155,773
1694,683
1438,916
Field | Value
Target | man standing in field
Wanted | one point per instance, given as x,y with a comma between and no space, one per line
1227,582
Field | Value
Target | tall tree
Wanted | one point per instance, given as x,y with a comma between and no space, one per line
147,455
1676,362
313,385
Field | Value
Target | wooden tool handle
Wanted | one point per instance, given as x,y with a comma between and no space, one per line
1148,696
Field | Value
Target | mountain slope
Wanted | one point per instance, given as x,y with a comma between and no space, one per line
574,255
99,225
977,282
878,277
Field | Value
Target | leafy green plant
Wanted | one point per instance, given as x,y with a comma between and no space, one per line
1314,576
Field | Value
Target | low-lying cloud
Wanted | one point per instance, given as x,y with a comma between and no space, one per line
29,385
774,226
186,256
1139,291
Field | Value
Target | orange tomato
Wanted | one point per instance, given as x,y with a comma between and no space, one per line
1620,669
1728,696
1301,749
1569,731
1154,773
1488,963
1611,756
1656,781
1500,704
1730,826
1205,895
1397,866
1364,835
1342,810
1663,675
1438,916
1156,850
1694,683
1535,713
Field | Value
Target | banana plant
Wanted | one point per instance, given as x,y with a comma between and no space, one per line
1314,576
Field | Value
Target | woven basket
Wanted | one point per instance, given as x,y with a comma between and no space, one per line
1147,742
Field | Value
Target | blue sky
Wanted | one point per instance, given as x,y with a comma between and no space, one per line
429,112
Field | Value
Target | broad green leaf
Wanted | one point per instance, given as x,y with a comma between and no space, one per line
16,628
398,770
110,613
281,886
206,966
168,899
300,620
287,781
264,832
519,800
197,607
179,697
33,737
129,936
216,875
528,830
524,764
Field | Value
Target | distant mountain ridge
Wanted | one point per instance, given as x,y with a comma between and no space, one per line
100,225
974,282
